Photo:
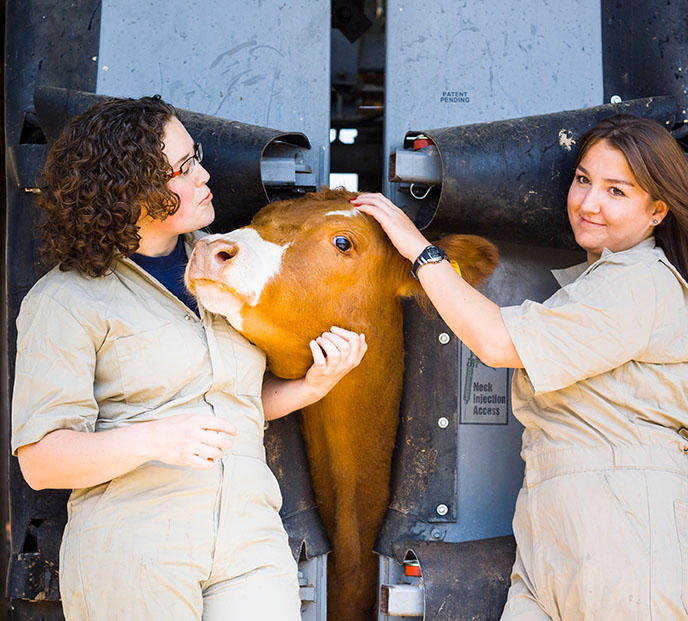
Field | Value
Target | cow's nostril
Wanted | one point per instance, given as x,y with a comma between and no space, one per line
225,255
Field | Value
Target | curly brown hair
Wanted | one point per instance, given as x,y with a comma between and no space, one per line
106,165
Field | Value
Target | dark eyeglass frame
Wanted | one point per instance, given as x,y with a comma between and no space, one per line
190,162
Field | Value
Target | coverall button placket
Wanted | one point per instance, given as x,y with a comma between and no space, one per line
205,326
216,371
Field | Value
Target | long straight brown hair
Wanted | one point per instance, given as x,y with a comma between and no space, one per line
660,167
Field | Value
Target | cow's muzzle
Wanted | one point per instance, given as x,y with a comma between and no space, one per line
210,257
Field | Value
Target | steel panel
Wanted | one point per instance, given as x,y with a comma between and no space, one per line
456,63
266,63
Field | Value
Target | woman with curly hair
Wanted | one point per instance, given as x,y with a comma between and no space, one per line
150,409
601,522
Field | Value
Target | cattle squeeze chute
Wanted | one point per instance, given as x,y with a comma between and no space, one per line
466,118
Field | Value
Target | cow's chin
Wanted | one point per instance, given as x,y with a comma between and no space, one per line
221,302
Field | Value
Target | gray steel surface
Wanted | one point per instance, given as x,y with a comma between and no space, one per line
266,63
458,62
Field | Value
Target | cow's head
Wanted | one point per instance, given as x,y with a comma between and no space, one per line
304,265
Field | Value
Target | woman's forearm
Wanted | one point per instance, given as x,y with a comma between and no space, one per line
66,459
280,397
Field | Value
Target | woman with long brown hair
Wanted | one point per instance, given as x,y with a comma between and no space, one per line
601,379
149,408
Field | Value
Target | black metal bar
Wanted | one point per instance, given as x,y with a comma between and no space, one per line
644,50
46,42
424,466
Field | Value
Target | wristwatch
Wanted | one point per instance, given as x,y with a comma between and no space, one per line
431,254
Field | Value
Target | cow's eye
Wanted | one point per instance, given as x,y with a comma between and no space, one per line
342,243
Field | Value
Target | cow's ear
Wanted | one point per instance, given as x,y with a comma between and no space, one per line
476,256
477,259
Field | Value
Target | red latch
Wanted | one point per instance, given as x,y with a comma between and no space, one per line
413,569
421,142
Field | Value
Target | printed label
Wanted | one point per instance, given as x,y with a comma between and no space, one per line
455,97
483,391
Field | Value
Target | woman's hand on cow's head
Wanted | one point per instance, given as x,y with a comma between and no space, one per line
407,239
335,353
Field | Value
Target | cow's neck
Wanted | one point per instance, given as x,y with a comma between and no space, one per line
349,437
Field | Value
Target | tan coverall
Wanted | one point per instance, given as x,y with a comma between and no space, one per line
160,542
601,523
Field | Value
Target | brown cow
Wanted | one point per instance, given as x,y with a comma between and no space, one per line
299,268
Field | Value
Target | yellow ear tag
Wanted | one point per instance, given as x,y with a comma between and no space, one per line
455,265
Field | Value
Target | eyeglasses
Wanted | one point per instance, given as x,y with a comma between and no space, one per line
188,164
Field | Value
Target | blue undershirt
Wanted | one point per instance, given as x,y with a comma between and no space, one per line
169,270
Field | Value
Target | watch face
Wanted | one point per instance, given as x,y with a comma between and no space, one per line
434,253
430,254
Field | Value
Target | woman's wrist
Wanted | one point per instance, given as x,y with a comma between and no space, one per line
312,392
285,396
144,440
416,249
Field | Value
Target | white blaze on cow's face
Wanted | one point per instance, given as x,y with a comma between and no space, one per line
227,272
347,213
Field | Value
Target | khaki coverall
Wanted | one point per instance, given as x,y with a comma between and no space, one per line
160,542
601,523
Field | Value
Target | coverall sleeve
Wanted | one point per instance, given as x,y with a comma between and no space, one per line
53,385
595,324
